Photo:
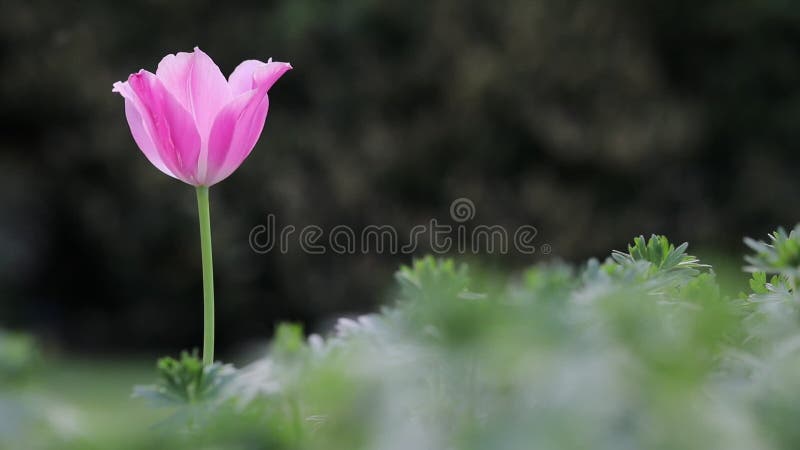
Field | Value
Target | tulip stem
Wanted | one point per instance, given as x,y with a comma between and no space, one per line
208,275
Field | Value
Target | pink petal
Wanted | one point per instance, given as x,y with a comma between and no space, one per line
142,137
235,133
168,127
198,84
239,124
243,77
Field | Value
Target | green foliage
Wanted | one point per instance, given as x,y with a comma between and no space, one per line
185,381
603,357
780,256
18,356
28,419
432,278
773,307
289,340
608,356
659,253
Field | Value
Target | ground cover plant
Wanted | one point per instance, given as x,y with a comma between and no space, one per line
640,350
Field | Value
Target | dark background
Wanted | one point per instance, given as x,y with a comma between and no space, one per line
593,121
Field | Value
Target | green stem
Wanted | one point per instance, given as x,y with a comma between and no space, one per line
208,275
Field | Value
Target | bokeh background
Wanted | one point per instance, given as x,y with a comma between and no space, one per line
592,120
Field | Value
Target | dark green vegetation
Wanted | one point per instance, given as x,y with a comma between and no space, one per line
638,351
592,120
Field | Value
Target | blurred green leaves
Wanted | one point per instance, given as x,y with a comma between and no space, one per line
601,357
18,356
780,256
658,254
185,381
611,355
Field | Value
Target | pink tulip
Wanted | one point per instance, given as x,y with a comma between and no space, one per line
198,127
192,123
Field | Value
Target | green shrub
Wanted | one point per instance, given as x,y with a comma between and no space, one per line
638,351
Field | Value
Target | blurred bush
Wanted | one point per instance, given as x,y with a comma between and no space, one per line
638,351
592,121
18,356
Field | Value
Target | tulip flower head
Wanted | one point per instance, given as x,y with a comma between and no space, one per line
192,123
